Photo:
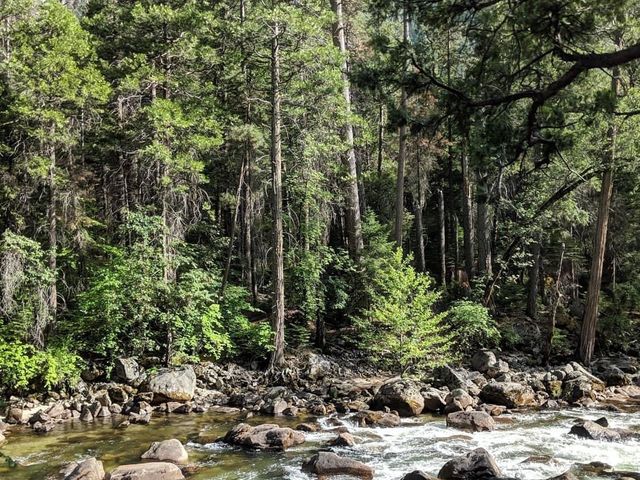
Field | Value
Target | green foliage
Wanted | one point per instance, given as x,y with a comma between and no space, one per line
472,327
130,308
399,325
23,367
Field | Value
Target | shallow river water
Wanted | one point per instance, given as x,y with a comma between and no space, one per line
529,446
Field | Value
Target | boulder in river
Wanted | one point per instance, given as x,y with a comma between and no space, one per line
167,451
403,396
369,418
565,476
458,400
263,437
327,464
344,439
473,420
147,471
475,465
177,384
89,469
418,475
509,394
596,431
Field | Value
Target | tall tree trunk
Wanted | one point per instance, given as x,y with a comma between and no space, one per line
380,136
534,279
402,148
234,225
554,310
590,319
483,227
53,238
467,215
352,194
443,239
419,208
277,356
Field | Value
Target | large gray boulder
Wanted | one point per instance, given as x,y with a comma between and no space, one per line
403,396
328,464
89,469
509,394
433,400
172,384
263,437
147,471
418,475
475,465
126,370
482,360
473,420
167,451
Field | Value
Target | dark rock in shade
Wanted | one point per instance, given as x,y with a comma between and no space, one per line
615,377
402,396
433,400
475,465
418,475
147,471
40,427
474,421
176,384
89,469
565,476
167,451
328,464
368,418
263,437
509,394
458,400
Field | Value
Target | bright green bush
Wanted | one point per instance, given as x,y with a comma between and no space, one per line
399,325
24,368
472,327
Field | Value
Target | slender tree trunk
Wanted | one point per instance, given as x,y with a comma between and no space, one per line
402,149
53,234
534,278
552,319
277,356
234,224
590,320
483,227
419,208
467,218
352,194
380,137
443,239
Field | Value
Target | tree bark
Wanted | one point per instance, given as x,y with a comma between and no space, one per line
443,240
467,212
277,355
483,226
380,136
402,150
552,319
53,237
590,319
419,208
534,279
352,194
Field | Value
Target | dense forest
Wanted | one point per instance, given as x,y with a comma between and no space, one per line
235,179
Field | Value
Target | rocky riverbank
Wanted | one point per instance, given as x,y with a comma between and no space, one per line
474,398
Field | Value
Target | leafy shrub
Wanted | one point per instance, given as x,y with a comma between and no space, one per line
24,368
472,327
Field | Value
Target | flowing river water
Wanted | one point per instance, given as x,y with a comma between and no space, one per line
530,446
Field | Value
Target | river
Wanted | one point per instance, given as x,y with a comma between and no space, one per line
530,446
